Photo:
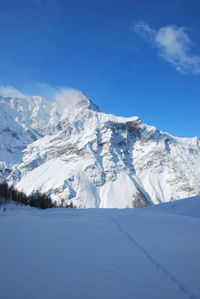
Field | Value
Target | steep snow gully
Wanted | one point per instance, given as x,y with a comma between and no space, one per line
77,154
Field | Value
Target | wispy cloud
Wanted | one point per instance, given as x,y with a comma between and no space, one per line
10,91
64,96
173,44
45,90
31,89
69,97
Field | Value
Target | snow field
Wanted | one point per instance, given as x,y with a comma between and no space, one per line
101,253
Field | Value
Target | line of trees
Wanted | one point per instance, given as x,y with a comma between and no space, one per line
37,200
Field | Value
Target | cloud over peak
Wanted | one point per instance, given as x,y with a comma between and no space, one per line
65,97
69,98
10,91
173,44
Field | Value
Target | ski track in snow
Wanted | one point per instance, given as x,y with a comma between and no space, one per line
165,272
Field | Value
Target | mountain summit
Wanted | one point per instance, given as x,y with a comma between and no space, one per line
73,152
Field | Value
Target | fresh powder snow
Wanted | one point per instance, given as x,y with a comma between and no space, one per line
149,253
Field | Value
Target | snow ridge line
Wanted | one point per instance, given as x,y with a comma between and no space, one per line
159,267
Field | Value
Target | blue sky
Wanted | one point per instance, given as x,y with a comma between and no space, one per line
130,57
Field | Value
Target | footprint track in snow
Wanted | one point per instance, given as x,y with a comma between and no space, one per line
159,267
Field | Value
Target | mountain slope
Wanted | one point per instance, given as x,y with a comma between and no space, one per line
74,152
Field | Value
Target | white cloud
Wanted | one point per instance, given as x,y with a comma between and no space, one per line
69,97
64,96
173,44
145,31
10,91
44,90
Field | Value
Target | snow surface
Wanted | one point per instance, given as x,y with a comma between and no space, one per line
75,153
101,253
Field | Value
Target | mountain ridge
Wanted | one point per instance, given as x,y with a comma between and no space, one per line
75,153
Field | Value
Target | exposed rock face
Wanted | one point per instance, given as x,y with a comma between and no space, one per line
81,155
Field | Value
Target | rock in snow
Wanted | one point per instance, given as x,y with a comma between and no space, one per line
76,153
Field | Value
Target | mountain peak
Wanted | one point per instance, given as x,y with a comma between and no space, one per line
72,99
75,153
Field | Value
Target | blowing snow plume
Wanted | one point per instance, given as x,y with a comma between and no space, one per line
70,98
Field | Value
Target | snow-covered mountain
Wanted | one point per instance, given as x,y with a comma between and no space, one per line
76,153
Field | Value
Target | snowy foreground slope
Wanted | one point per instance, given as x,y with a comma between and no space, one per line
75,153
149,253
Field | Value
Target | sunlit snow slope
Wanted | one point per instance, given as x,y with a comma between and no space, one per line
150,253
75,153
